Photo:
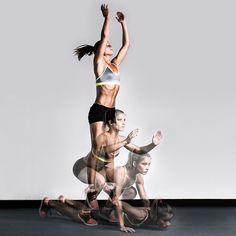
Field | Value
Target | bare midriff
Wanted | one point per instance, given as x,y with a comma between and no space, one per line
106,95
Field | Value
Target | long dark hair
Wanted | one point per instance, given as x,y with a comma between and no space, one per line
85,49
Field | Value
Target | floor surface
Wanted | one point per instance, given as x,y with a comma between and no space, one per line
188,221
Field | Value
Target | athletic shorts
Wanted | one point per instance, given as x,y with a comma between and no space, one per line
99,112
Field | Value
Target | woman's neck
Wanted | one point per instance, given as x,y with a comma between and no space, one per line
131,172
113,132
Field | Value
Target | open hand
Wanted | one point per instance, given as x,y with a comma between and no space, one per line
105,10
156,139
127,229
132,135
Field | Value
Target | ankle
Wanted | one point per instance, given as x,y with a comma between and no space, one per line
46,201
62,199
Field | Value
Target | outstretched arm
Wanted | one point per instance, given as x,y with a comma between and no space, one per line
125,40
104,34
156,139
110,148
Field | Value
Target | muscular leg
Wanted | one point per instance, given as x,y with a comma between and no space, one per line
66,210
96,129
81,171
75,204
81,215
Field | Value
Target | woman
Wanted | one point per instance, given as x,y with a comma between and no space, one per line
106,71
134,216
106,149
132,173
125,177
158,213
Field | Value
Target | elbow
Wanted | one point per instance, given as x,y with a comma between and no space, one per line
126,45
139,151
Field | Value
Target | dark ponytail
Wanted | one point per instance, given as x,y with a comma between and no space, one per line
82,50
86,49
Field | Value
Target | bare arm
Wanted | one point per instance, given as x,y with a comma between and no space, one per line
115,147
141,190
119,182
156,139
125,40
104,35
123,141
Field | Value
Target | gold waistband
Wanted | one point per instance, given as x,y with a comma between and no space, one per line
100,158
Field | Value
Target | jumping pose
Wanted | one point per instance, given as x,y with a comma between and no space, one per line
106,71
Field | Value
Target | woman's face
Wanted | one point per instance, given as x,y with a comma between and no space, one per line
108,50
119,124
143,166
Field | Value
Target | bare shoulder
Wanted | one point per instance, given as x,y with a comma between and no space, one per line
139,179
99,66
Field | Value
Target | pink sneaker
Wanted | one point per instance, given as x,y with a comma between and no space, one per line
91,200
86,218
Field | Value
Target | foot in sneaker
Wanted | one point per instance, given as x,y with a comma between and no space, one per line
62,199
86,218
91,200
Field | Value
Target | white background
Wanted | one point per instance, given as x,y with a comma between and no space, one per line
179,76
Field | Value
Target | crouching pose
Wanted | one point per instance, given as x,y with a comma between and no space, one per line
106,149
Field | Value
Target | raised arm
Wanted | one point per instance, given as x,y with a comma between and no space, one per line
156,139
125,40
104,34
